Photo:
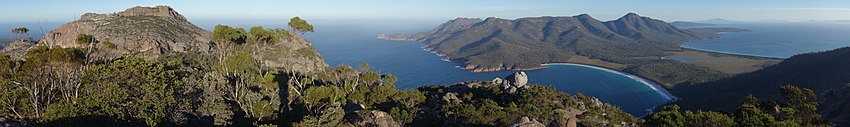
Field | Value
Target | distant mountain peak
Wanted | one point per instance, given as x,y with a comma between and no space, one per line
491,18
630,16
584,17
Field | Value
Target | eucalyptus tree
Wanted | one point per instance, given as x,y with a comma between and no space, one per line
300,25
225,36
21,33
261,37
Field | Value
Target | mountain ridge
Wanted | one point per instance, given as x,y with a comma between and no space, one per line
586,27
496,44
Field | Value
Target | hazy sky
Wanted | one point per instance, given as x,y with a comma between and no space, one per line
669,10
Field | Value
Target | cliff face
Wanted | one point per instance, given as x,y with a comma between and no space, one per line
141,31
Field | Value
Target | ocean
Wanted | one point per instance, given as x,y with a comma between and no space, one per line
415,67
778,40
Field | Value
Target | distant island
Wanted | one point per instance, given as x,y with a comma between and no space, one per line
396,37
632,43
718,21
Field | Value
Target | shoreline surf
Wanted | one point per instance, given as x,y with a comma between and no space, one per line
651,84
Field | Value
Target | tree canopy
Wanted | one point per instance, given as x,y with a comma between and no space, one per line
300,25
85,39
227,34
21,32
797,109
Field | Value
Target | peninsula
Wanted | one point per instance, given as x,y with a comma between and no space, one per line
632,43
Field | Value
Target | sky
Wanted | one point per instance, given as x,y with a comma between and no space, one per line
17,11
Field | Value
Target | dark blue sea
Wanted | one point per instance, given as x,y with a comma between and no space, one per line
778,40
353,44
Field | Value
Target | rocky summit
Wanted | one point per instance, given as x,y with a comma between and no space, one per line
150,32
141,31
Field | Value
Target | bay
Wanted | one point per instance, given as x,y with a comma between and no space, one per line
415,67
778,40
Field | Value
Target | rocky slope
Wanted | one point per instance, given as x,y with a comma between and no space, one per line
140,31
150,32
835,105
294,53
17,49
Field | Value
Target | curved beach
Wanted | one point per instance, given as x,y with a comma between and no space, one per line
654,86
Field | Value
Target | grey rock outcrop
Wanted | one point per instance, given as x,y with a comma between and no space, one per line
296,54
17,49
519,79
526,122
512,83
141,31
375,118
568,118
835,105
451,98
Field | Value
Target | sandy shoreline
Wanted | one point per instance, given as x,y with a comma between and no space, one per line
654,86
733,54
651,84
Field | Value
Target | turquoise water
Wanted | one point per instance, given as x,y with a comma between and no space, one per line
778,40
351,45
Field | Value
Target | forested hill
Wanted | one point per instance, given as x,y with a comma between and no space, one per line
819,71
638,42
497,44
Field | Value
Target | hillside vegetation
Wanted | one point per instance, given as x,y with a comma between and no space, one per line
819,71
495,44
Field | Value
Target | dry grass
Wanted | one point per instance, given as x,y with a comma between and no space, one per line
725,63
